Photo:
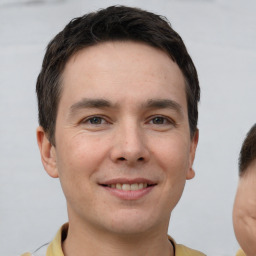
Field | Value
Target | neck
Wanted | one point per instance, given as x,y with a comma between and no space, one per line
83,240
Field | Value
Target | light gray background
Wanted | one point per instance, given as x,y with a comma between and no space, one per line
221,38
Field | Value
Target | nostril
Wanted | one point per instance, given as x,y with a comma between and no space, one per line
140,159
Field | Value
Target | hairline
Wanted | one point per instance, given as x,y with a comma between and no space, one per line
245,160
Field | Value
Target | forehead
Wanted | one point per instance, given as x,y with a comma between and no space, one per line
127,69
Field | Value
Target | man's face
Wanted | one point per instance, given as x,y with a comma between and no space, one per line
123,147
244,212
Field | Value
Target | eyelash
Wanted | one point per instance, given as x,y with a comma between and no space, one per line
89,119
165,120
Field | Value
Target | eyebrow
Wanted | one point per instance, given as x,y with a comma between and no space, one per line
89,103
102,103
164,103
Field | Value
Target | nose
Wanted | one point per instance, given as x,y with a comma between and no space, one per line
130,145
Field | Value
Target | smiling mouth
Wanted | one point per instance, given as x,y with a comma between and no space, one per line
128,187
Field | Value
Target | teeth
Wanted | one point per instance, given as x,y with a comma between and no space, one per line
118,186
128,187
134,186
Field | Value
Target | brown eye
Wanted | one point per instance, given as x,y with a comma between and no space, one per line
159,120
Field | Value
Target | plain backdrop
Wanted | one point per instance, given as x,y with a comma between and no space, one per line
221,38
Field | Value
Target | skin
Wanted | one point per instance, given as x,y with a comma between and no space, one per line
244,212
122,115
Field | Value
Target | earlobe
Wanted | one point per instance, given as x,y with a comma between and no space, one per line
48,153
194,142
190,174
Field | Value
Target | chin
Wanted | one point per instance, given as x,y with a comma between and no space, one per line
129,223
126,229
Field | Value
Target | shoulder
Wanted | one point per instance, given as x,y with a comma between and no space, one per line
52,248
240,253
41,251
182,250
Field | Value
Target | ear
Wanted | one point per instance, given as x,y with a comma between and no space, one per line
193,146
48,153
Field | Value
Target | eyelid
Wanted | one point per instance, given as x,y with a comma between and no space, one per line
88,118
167,118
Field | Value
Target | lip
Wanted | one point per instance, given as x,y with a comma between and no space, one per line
130,194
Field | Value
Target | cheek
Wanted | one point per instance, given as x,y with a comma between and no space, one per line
242,211
173,158
78,159
82,153
172,155
237,216
245,201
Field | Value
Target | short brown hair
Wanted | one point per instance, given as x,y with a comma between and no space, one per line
248,150
115,23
